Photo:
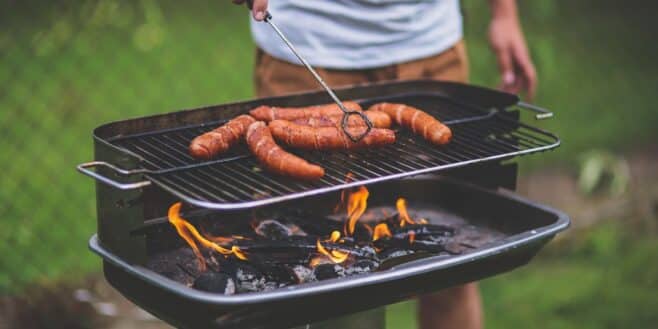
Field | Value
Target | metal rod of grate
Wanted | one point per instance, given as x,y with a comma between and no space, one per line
237,181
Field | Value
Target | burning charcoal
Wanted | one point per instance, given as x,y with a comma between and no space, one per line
178,264
422,230
361,266
405,244
393,253
274,229
303,273
328,271
280,274
215,282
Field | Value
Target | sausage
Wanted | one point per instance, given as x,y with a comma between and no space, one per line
327,138
377,118
220,139
277,160
418,121
268,113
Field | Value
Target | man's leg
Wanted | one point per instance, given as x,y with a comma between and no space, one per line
457,307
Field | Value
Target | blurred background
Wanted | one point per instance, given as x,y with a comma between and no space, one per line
68,66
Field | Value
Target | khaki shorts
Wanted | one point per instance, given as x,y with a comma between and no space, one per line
274,77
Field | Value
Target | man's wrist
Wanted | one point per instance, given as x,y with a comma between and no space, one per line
504,10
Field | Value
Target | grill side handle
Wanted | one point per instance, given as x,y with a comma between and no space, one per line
542,113
85,169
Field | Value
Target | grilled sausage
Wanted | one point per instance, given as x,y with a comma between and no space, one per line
418,121
377,118
327,138
267,113
275,159
219,140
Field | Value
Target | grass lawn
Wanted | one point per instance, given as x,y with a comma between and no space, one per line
68,67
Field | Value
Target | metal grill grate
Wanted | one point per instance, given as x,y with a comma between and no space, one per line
236,180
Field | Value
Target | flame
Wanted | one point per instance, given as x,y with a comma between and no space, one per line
381,230
190,234
341,203
356,205
336,256
401,204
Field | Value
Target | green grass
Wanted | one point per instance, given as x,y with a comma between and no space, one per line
67,67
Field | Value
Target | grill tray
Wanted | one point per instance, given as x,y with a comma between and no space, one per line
482,131
525,227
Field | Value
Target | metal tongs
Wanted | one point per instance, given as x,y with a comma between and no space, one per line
346,113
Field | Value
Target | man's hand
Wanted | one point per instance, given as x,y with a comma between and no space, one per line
258,10
507,41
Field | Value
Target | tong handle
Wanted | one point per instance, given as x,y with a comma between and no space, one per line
85,168
542,113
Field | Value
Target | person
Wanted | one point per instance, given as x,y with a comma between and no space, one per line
363,41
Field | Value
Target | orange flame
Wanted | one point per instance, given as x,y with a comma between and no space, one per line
341,203
401,205
381,230
190,234
356,206
336,256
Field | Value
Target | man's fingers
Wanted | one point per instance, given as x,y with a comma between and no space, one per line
259,9
527,70
506,67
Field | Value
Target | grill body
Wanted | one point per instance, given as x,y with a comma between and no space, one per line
473,170
526,226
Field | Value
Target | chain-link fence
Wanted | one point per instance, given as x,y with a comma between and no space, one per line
69,66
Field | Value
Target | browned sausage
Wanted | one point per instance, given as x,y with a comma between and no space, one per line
327,138
221,139
277,160
267,113
379,120
418,121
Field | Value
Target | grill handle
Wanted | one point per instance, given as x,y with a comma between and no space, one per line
542,113
85,168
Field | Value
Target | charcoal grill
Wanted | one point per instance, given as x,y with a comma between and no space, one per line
142,167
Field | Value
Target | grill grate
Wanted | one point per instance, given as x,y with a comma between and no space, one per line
236,180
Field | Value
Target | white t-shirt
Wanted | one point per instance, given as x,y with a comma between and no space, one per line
358,34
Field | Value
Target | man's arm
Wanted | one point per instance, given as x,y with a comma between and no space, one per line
258,10
508,43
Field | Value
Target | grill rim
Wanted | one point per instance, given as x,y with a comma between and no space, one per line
406,270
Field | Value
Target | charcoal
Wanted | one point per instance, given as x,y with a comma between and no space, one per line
422,230
303,273
328,271
294,249
393,253
281,274
361,266
216,282
178,264
431,244
275,229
